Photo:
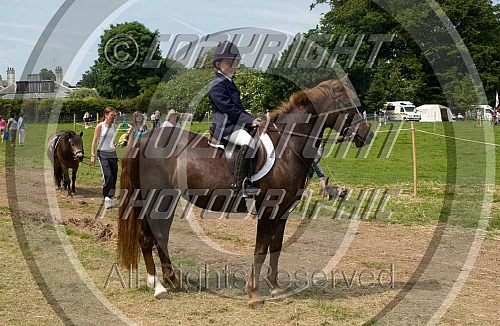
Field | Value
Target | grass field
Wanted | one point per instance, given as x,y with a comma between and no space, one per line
456,174
447,154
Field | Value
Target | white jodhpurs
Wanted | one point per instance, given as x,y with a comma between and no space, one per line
241,137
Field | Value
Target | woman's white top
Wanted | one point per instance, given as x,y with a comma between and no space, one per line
107,137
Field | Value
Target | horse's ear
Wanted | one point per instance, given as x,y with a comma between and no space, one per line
81,134
345,78
326,182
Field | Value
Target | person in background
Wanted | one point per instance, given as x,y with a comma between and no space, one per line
479,117
157,119
153,120
12,128
2,127
86,119
22,128
171,119
139,125
316,167
103,142
123,140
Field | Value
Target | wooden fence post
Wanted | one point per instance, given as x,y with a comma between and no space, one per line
414,159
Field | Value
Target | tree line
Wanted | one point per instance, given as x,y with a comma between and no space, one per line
422,60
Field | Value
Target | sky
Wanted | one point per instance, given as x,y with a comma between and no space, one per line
50,33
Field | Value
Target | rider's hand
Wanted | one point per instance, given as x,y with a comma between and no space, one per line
257,122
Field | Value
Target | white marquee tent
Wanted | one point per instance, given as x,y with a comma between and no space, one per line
434,112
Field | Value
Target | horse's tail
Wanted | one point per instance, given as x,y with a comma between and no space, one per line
128,224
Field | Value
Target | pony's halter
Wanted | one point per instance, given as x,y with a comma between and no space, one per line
75,153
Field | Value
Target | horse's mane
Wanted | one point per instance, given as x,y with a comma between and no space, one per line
301,101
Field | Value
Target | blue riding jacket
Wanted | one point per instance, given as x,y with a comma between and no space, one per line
227,109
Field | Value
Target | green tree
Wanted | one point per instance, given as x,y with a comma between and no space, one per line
186,91
89,78
46,74
84,92
124,66
424,71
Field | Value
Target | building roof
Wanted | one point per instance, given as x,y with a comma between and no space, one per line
23,96
8,89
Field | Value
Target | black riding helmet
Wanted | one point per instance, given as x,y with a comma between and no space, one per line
226,50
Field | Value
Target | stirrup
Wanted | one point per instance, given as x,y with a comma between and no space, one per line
248,190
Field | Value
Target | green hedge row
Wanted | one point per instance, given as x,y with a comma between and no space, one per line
39,110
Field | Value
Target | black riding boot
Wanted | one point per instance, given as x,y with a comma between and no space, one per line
244,170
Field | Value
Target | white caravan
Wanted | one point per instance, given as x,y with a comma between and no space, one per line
401,111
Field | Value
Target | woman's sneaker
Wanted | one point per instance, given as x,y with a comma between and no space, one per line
108,202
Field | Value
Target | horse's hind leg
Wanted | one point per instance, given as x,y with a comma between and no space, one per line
160,229
58,175
147,242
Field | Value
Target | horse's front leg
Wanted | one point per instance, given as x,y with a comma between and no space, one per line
73,180
261,247
146,242
66,182
169,276
274,252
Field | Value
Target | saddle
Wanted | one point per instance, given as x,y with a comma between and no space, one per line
231,152
53,146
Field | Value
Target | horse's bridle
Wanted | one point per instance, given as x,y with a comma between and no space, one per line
75,154
348,132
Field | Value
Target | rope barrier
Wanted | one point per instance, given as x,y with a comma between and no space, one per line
440,135
462,139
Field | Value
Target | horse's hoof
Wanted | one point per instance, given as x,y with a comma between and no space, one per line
163,295
255,304
177,290
277,292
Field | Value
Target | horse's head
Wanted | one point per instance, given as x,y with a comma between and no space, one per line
339,105
76,144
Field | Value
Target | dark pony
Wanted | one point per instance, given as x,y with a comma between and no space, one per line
65,151
169,163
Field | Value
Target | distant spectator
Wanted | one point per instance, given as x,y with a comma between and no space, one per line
123,140
138,124
86,119
316,167
382,118
171,119
12,128
157,119
21,128
153,120
479,117
2,127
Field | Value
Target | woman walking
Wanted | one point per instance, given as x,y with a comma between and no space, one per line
103,141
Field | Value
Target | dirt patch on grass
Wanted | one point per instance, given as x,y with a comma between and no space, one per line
347,248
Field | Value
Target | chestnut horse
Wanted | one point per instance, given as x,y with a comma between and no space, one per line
65,151
171,162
